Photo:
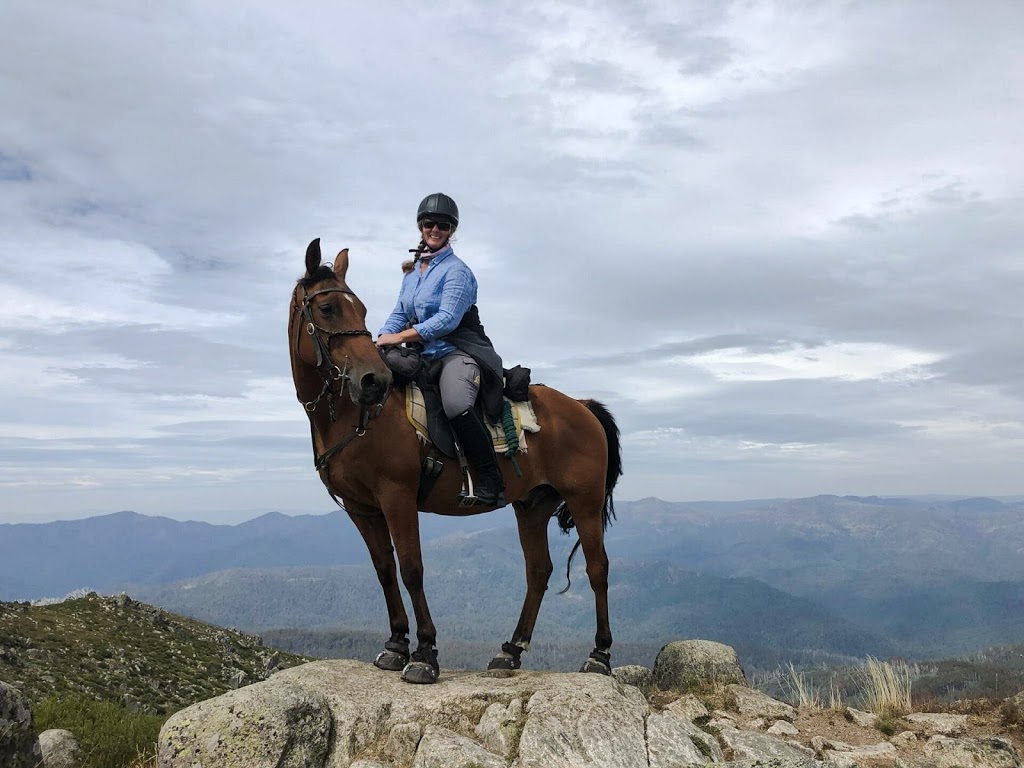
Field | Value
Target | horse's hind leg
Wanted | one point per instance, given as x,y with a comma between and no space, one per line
586,508
533,522
373,527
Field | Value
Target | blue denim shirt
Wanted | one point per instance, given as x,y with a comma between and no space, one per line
436,300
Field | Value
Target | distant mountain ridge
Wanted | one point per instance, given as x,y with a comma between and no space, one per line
807,546
110,551
929,576
476,586
800,545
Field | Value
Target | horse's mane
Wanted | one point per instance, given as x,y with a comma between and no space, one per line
323,272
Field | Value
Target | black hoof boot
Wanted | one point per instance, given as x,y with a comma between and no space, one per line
391,661
394,657
508,658
599,662
423,669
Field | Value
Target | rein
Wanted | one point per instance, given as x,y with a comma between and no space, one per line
330,372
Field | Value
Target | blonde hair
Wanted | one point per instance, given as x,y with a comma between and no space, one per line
408,265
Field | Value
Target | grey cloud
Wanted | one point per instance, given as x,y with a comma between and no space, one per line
911,282
594,74
159,362
691,347
824,412
228,451
783,428
565,172
13,169
694,52
872,196
677,131
996,361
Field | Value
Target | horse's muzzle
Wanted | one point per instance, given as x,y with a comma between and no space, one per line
371,388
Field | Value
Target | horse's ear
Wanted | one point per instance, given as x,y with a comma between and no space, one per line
312,257
341,263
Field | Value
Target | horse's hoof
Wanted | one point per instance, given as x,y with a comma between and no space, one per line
593,665
504,661
391,661
419,672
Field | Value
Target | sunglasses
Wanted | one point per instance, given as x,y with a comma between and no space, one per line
428,224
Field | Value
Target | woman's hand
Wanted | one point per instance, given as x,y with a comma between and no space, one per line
389,339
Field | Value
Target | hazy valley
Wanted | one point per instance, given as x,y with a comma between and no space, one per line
823,579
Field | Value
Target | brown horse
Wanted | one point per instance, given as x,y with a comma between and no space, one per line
369,456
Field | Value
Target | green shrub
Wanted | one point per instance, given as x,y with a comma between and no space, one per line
111,736
886,722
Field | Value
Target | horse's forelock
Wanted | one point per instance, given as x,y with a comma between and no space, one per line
323,272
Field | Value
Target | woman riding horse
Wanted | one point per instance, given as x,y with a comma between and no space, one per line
437,309
368,456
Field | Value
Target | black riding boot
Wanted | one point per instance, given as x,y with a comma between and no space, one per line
476,444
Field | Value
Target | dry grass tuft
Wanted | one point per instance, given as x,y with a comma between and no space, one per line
145,760
887,687
835,696
800,690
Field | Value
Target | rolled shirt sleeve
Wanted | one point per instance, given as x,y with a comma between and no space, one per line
396,321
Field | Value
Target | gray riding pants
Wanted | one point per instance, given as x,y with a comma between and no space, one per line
460,382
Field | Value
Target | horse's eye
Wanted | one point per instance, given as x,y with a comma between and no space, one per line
327,309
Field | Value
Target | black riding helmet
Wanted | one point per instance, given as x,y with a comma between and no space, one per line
440,206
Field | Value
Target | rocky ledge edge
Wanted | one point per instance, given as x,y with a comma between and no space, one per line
349,714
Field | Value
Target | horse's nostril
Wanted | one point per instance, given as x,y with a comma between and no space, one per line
371,382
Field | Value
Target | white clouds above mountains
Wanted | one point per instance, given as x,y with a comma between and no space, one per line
782,241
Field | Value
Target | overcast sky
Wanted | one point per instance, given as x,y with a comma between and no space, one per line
781,241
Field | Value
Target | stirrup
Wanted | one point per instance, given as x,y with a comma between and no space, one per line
474,501
471,499
467,494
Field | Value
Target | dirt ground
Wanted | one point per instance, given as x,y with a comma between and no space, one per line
984,718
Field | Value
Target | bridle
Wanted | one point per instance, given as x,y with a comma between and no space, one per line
330,372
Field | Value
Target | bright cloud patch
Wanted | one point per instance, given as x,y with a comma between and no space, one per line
845,361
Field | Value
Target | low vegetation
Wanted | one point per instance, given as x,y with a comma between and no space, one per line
990,676
110,735
111,669
129,653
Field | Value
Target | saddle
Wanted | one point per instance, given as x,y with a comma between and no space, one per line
425,412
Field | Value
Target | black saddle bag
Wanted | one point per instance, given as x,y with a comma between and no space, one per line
406,362
517,383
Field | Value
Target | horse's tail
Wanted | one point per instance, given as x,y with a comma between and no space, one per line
612,474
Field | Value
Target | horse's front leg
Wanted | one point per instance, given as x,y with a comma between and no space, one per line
403,522
373,527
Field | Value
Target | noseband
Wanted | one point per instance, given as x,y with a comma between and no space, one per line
330,372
